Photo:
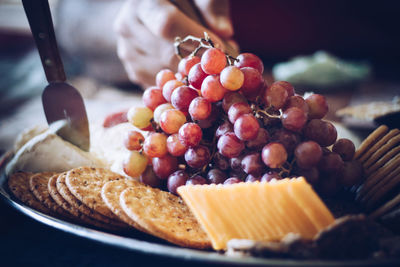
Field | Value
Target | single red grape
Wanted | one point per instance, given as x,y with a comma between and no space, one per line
164,76
246,127
213,61
153,97
231,78
134,140
196,76
182,97
149,177
212,89
200,108
294,119
308,154
249,60
276,95
252,164
171,120
345,148
185,64
322,132
176,180
216,176
253,81
190,134
274,155
317,106
229,145
164,166
155,145
197,157
174,146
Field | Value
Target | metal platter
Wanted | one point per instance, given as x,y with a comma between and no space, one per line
140,244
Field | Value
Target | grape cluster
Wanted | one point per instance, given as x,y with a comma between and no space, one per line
217,121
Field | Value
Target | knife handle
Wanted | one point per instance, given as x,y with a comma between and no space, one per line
41,24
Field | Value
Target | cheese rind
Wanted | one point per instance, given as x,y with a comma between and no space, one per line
258,211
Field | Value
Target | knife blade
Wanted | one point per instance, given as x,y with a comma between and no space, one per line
61,101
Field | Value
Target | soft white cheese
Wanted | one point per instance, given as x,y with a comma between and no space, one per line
49,152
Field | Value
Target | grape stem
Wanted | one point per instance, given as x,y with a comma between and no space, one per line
204,42
286,169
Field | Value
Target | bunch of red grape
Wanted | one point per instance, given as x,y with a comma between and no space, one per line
217,121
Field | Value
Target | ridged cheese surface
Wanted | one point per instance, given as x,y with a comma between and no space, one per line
257,211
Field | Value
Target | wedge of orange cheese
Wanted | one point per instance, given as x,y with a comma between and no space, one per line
263,211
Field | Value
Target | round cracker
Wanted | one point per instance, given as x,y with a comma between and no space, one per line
78,216
19,186
85,183
110,193
163,215
379,144
76,203
391,181
370,140
57,197
387,207
38,185
379,160
382,183
374,178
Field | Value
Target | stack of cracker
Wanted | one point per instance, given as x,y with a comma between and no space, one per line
103,199
379,154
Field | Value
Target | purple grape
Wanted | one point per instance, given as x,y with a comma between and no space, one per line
215,176
196,180
176,180
197,157
150,178
252,164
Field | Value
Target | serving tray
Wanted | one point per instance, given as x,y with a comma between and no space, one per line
158,248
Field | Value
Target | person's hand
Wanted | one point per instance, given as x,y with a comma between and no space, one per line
146,31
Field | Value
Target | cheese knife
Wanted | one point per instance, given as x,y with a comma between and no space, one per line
61,101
